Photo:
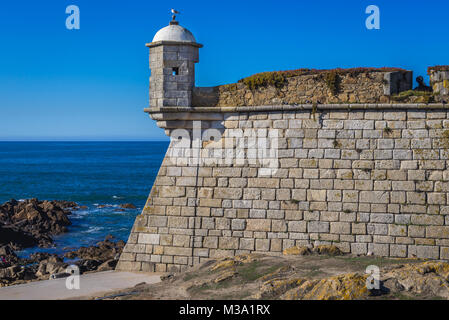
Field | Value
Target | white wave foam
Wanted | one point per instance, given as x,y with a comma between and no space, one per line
94,229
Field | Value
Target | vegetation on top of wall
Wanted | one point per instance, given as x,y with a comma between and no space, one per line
230,87
437,68
425,96
264,79
279,78
333,82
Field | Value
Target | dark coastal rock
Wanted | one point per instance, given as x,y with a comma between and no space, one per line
127,206
16,238
13,272
121,206
7,257
32,222
88,265
56,267
42,265
103,251
39,256
7,251
108,265
101,257
102,206
16,274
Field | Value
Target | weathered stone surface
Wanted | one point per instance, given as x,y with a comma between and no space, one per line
318,226
373,180
258,225
147,238
297,226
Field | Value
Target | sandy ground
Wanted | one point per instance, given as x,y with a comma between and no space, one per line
90,285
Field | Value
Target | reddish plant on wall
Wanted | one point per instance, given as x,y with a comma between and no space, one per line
437,68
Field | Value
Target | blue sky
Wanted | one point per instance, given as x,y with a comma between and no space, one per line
92,83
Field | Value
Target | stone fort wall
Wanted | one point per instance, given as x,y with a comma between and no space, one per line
366,178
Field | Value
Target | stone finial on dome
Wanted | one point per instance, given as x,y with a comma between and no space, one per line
175,12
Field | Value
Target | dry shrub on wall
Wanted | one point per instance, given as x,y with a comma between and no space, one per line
331,76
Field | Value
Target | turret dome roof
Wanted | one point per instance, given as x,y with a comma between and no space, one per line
174,32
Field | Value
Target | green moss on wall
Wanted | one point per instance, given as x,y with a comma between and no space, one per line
332,80
423,96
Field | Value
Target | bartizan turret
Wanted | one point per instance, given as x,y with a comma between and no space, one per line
173,54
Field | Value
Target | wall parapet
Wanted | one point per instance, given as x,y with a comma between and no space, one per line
356,85
264,108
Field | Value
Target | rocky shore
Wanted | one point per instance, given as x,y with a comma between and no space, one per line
40,266
33,223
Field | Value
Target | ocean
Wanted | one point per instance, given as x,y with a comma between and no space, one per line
92,174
